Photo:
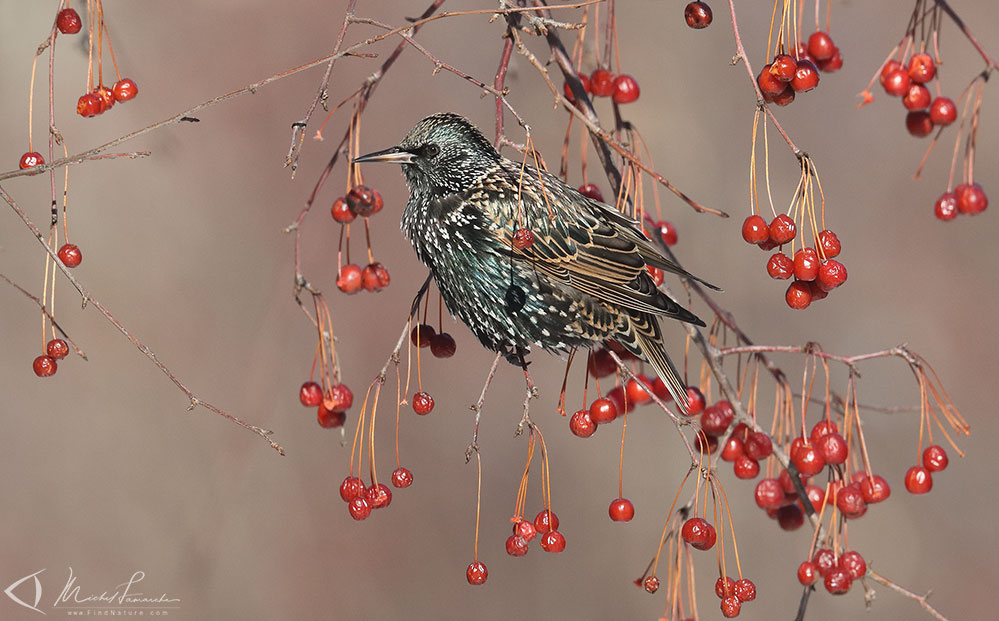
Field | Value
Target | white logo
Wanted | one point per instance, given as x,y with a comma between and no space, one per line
38,591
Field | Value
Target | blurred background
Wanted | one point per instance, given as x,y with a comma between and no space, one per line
105,471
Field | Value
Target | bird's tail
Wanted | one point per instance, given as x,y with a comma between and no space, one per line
649,340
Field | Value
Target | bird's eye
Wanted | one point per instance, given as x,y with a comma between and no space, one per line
430,151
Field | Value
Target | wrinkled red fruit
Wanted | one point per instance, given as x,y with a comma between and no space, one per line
581,424
724,587
359,508
829,242
106,95
625,89
378,496
838,581
875,489
330,419
361,200
44,366
374,277
339,398
769,83
921,68
782,229
68,21
351,488
349,280
57,349
780,266
600,363
783,67
310,394
934,457
70,255
525,528
516,545
730,607
553,541
621,510
341,212
699,533
943,112
697,15
30,160
798,295
971,198
545,521
832,274
651,584
745,590
523,238
476,573
402,477
442,345
918,480
853,563
745,467
423,403
89,105
124,89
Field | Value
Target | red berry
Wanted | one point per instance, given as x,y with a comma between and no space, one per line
769,494
57,349
934,458
636,390
821,46
824,560
755,229
853,563
422,335
833,448
733,449
625,89
339,398
850,502
943,112
349,280
341,212
602,83
651,584
918,480
124,89
716,418
829,242
523,238
658,276
516,545
600,363
442,345
30,160
731,606
44,366
895,81
361,200
695,401
568,91
525,528
745,467
832,274
476,573
831,64
745,590
971,198
377,201
758,445
351,488
660,390
581,424
769,83
801,51
89,105
806,76
330,419
402,477
545,521
699,533
780,266
359,508
888,68
724,587
919,123
790,517
70,255
668,232
808,460
783,98
106,95
821,428
706,444
806,264
310,394
783,67
378,496
423,403
875,489
602,411
921,68
916,98
68,21
621,510
591,191
553,541
697,15
838,581
374,277
807,573
798,295
783,229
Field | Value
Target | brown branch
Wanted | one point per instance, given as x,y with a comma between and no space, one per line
919,599
88,298
45,311
991,62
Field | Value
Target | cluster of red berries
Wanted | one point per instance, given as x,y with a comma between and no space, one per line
524,531
698,15
967,198
362,499
837,572
787,74
102,98
733,593
46,365
816,272
602,83
332,407
441,344
364,202
919,479
908,81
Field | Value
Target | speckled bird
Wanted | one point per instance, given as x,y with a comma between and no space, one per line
581,282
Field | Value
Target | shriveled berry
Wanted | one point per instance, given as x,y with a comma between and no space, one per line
798,295
545,521
853,563
807,573
824,560
525,529
44,366
832,274
934,457
341,212
423,403
602,83
476,573
699,533
581,424
522,239
70,255
745,590
783,229
806,264
919,123
755,229
916,98
971,198
830,244
106,95
838,581
30,160
89,105
769,83
602,411
442,345
806,76
918,480
943,112
780,266
124,89
68,21
351,488
516,545
724,587
350,280
57,349
553,541
361,200
896,81
310,394
651,584
330,419
698,15
625,89
591,191
783,67
922,68
820,45
621,510
378,496
339,398
359,508
850,502
422,335
731,606
402,477
374,277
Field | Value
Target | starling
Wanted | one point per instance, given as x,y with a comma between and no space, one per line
581,281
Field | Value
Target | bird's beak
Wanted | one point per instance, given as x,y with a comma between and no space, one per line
392,154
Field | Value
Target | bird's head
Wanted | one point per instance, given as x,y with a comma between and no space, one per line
443,153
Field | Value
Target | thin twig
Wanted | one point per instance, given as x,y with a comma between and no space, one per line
79,352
